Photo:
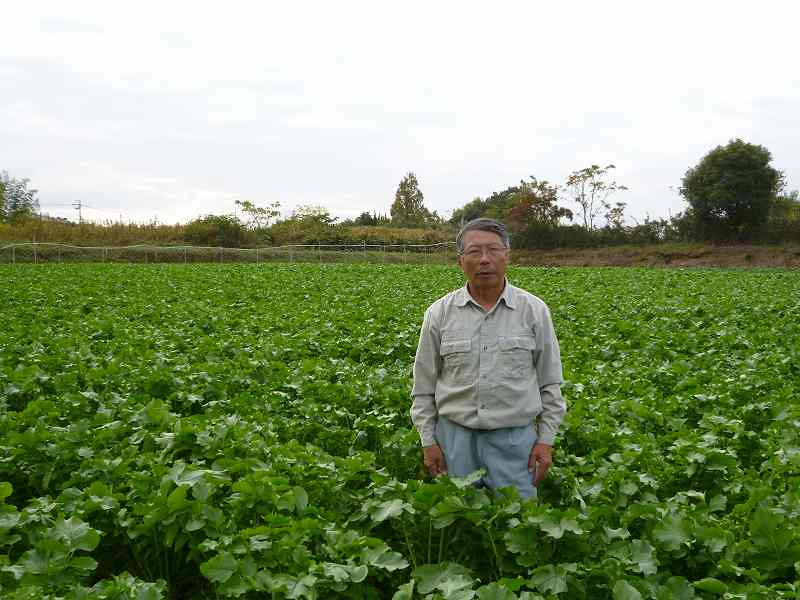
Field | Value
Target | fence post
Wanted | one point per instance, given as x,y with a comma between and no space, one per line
405,249
258,258
105,254
59,253
291,253
365,250
185,255
319,251
13,254
220,254
34,251
383,249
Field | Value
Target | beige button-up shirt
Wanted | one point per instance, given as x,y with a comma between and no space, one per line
487,370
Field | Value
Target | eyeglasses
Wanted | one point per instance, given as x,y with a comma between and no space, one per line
476,252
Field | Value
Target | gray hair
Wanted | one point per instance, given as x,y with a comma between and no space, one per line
483,224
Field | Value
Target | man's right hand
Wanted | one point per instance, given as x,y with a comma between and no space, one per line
434,460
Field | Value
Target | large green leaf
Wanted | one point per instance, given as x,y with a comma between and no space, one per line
435,577
552,579
625,591
220,567
643,555
672,532
495,591
711,585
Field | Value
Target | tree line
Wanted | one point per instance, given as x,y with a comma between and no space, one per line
733,193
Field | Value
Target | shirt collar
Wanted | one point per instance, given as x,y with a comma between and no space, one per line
508,296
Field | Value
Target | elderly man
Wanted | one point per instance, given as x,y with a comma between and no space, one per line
487,374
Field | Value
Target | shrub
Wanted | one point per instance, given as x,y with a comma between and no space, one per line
217,230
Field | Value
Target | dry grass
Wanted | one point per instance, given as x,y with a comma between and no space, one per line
93,234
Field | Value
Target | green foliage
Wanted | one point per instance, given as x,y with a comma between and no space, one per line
259,216
366,219
17,202
536,203
495,206
308,224
530,203
216,230
785,208
408,209
243,431
730,191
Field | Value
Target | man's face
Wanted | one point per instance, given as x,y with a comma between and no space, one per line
485,259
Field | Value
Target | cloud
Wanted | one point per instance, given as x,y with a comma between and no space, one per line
191,106
110,193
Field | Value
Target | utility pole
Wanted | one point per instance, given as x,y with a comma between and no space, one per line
77,205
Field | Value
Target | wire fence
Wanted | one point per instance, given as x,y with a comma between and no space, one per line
49,252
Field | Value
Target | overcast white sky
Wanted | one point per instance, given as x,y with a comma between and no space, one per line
171,110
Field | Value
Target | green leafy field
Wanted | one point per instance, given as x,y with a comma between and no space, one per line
211,431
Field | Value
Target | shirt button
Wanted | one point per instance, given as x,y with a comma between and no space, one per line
485,348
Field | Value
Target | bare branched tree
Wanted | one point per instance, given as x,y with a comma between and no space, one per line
591,191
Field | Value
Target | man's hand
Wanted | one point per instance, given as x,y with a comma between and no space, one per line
434,460
540,461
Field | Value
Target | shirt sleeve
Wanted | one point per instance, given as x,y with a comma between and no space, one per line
554,407
426,371
550,377
548,362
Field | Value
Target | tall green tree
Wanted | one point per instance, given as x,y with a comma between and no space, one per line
407,209
731,190
17,202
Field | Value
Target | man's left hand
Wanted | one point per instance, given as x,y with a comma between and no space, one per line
540,461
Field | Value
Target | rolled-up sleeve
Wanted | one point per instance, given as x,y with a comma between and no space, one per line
426,371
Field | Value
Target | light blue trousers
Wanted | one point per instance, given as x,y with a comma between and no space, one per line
504,453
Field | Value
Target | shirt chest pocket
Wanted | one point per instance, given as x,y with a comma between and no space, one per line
515,356
455,359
